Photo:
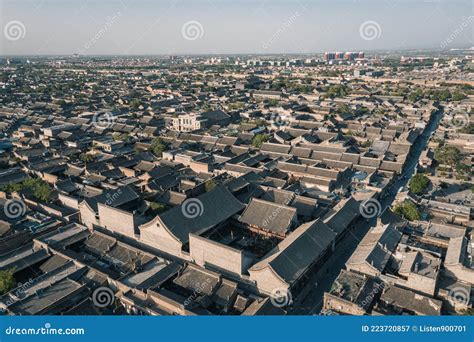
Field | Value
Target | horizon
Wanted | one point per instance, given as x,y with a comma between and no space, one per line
369,52
222,27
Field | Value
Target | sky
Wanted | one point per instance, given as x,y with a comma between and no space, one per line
164,27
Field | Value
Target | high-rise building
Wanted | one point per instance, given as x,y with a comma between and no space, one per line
350,56
329,56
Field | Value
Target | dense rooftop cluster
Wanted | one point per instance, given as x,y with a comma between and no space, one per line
236,185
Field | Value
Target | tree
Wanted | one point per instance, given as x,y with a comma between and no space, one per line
337,90
7,281
458,96
469,129
39,188
343,108
157,207
273,102
86,157
158,146
43,192
135,103
419,183
408,210
416,95
463,171
259,139
448,155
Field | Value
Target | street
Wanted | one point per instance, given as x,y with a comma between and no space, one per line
309,301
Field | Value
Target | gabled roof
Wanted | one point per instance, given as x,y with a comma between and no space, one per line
292,257
344,213
387,236
216,115
270,216
376,247
409,300
213,207
113,198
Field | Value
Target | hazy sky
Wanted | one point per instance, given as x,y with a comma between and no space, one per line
134,27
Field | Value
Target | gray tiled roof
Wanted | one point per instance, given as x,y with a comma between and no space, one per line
277,218
411,301
291,258
217,206
346,212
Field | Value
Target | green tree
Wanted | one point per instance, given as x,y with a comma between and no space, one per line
157,207
135,103
457,96
259,139
416,95
408,210
419,183
87,157
337,90
469,129
273,102
343,108
39,188
158,146
7,281
43,192
448,155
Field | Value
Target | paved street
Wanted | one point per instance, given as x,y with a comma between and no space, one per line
310,300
